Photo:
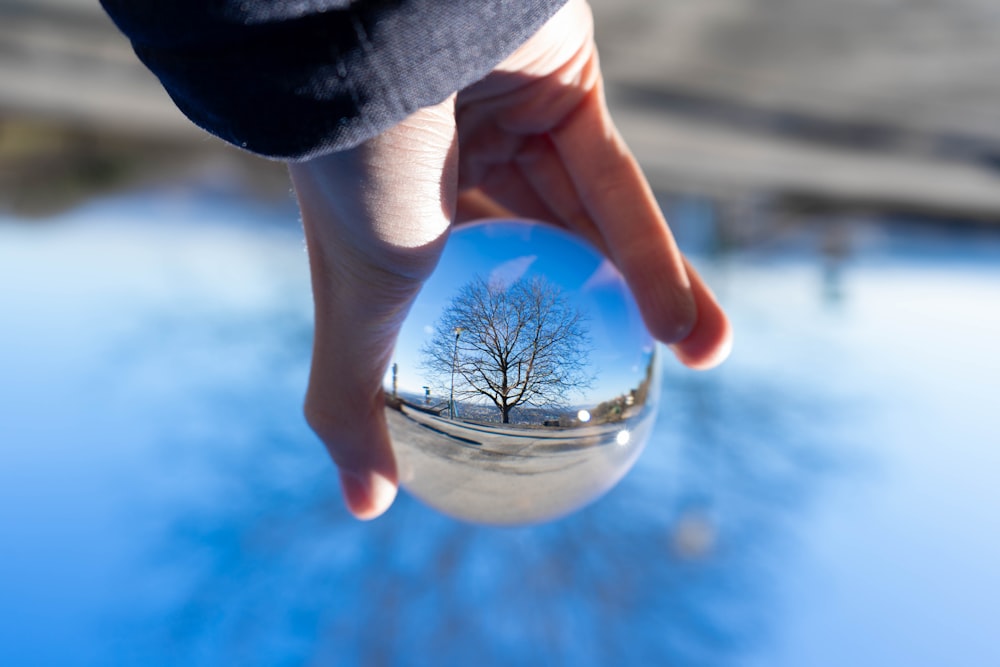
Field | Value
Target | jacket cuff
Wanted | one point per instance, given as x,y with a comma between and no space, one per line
295,80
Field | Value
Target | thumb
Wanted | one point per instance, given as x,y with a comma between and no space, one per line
358,312
376,218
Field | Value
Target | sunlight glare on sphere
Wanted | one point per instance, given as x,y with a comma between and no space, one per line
524,383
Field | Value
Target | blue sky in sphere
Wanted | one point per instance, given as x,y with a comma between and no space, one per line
506,251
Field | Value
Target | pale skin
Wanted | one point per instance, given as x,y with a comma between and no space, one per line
533,139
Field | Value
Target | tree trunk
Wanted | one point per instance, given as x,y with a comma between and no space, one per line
505,414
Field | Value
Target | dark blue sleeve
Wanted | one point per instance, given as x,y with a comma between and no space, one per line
295,79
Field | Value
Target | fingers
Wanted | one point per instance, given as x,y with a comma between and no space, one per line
711,338
375,219
616,195
542,168
357,315
677,306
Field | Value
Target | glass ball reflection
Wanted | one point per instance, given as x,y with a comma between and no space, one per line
524,383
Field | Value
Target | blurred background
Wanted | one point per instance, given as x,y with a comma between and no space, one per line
828,497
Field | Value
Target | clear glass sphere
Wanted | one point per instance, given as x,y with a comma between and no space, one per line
524,383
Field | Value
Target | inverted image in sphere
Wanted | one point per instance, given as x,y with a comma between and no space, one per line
524,383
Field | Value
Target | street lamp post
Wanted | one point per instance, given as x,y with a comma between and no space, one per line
454,364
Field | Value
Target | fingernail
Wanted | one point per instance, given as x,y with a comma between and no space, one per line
368,494
677,323
703,352
703,360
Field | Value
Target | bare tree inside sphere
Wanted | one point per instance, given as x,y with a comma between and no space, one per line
517,344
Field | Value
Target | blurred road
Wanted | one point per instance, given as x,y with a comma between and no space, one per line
889,102
64,60
882,102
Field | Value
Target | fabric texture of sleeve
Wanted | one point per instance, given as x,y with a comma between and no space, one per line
295,79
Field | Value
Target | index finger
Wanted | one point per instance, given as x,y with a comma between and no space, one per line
677,306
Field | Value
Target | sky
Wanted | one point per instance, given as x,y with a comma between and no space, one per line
504,251
154,460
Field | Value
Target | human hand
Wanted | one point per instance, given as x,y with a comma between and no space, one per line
534,139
